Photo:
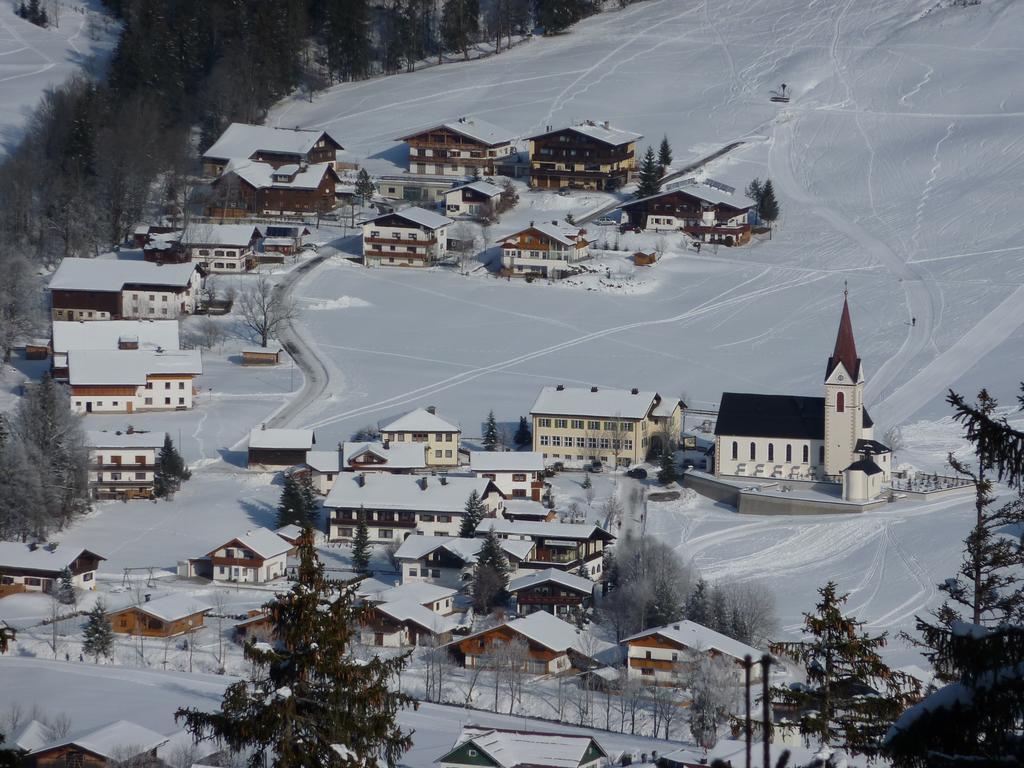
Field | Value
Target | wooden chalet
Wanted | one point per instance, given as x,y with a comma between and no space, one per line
663,655
34,568
705,213
557,592
589,155
565,546
104,289
404,623
273,146
249,188
411,237
543,250
279,447
458,148
483,747
167,616
117,744
257,556
261,356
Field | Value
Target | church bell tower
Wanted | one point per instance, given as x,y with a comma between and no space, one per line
844,398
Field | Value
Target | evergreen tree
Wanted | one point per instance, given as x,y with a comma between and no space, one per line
22,10
346,37
667,472
587,482
768,207
755,191
697,609
297,505
474,513
490,577
993,438
609,569
490,439
649,176
171,470
523,437
361,545
460,24
308,701
9,758
664,155
558,15
98,635
665,606
365,187
34,10
841,662
64,588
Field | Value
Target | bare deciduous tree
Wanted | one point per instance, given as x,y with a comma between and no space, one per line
264,308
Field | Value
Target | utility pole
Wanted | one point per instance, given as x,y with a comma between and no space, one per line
766,711
748,662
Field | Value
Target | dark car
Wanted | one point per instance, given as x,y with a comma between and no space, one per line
637,473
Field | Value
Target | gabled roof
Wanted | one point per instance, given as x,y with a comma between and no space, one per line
172,607
690,634
419,420
519,507
129,367
865,465
419,216
547,530
485,188
125,439
282,439
324,461
111,275
416,547
845,351
109,741
602,132
263,541
238,235
412,611
396,455
244,140
510,749
15,554
32,736
714,197
82,334
289,532
551,633
381,490
470,127
506,461
870,446
420,592
603,403
567,237
785,416
554,576
265,176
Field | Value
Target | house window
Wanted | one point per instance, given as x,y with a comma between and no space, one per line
561,423
345,533
543,438
753,450
807,450
385,533
413,572
647,672
519,477
435,573
840,402
577,424
735,450
437,454
821,454
771,451
789,454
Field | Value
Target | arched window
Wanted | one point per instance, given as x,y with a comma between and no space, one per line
840,402
771,451
753,450
807,450
789,453
735,450
821,454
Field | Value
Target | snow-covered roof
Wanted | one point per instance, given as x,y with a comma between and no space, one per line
483,187
509,749
263,541
324,461
284,439
525,508
421,592
378,490
419,420
473,128
126,367
104,439
110,740
371,586
244,140
708,194
238,235
690,634
397,455
264,175
506,461
82,334
599,131
15,554
554,634
111,275
178,605
31,737
415,547
554,575
602,403
419,216
548,530
290,531
410,610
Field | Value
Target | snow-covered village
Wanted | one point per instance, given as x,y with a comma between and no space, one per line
511,383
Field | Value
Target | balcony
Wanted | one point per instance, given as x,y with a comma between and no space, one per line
398,255
661,665
392,241
549,599
122,467
556,556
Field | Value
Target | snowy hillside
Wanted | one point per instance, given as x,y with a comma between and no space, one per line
33,59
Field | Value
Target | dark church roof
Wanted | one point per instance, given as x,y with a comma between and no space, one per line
786,416
870,446
846,348
867,466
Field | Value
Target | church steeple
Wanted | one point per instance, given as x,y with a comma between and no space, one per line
845,351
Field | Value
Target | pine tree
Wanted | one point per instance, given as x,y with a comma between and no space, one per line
587,482
840,659
365,187
523,437
171,470
490,577
558,15
64,588
361,545
308,701
649,176
696,609
755,191
346,37
98,635
768,207
664,155
297,505
33,11
22,10
460,24
474,513
667,472
993,437
490,440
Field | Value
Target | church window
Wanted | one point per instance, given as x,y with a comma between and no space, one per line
789,454
840,402
771,451
821,454
807,450
735,450
753,450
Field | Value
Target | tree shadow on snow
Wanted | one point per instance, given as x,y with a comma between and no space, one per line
260,513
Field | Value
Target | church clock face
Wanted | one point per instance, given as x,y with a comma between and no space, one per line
839,377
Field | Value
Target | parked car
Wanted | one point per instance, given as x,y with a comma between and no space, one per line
596,466
637,473
604,221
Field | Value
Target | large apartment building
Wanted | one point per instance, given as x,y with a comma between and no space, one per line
589,155
412,237
423,426
545,250
458,148
618,427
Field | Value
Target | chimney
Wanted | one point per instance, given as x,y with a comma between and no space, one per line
130,430
387,445
263,426
560,388
52,546
634,391
148,596
361,479
432,410
444,479
555,222
606,125
423,483
593,389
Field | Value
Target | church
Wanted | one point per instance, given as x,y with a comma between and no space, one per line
811,439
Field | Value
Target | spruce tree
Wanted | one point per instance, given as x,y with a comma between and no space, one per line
490,576
361,545
296,505
490,439
587,482
64,588
365,187
696,609
523,437
171,470
558,15
768,207
667,472
98,635
664,155
839,660
309,702
474,513
460,24
649,176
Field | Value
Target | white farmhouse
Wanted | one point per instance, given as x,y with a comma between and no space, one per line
473,199
411,237
125,381
32,568
364,456
113,334
257,556
227,248
424,427
122,464
518,474
449,560
105,289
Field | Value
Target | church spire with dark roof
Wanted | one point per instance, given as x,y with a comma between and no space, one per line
846,348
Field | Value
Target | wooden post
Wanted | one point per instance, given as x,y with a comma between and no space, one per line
766,711
748,662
